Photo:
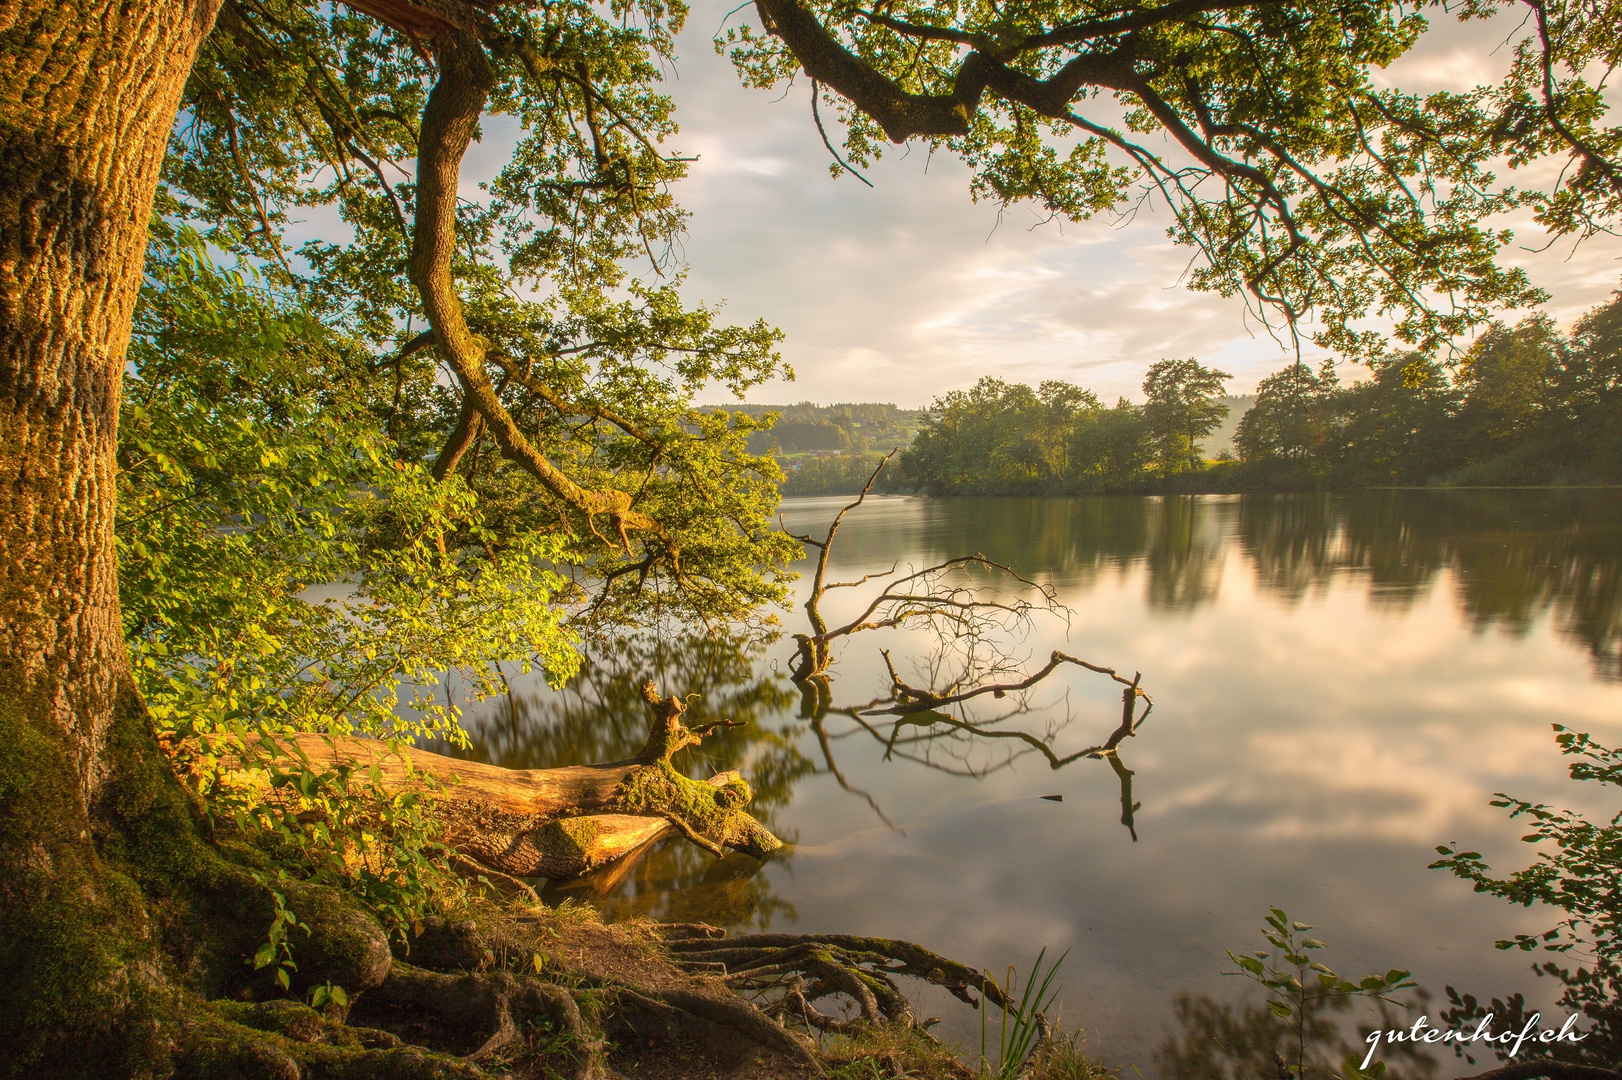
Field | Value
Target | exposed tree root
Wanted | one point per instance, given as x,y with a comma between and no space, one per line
478,1000
506,1002
787,974
521,991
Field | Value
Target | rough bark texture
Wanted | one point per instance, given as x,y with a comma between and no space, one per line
560,823
88,93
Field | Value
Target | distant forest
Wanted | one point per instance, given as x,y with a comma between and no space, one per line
1525,405
842,429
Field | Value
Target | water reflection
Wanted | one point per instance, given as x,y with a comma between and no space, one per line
1516,556
1341,683
600,716
1221,1040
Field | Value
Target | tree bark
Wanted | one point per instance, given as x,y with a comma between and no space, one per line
561,823
88,95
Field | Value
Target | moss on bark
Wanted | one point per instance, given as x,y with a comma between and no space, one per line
114,948
84,988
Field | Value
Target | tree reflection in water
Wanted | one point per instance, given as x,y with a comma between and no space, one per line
1508,560
1513,556
1218,1040
598,717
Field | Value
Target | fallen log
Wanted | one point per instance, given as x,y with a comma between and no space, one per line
561,823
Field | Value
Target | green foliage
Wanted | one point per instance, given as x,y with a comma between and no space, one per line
277,950
1525,405
1576,874
281,573
1296,172
839,474
1008,439
996,436
1019,1027
328,994
1064,1057
855,428
1298,985
296,107
1184,405
246,493
1287,420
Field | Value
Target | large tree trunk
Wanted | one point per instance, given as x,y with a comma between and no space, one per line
88,95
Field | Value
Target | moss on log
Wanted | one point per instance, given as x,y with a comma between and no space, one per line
560,823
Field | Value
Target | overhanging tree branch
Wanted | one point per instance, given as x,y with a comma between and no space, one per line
453,110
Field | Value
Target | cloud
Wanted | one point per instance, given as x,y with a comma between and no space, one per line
905,290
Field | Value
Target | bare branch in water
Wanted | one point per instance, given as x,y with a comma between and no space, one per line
977,625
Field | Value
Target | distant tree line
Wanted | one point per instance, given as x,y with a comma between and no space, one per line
1525,405
841,474
1002,438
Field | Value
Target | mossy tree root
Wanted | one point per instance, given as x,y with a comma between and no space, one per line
486,1016
559,1011
471,1021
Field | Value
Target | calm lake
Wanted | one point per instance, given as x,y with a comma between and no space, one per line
1340,684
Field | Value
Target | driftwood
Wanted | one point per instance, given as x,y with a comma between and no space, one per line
560,823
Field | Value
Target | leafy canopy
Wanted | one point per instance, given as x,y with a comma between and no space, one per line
1296,175
561,272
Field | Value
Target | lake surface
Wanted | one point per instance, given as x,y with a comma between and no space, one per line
1340,684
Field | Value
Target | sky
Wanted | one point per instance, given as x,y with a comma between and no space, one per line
906,290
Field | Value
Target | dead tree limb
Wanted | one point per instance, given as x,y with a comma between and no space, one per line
560,823
814,655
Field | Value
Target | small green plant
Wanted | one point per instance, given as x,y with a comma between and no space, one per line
1574,877
1021,1025
328,993
865,1068
1064,1057
276,951
1298,987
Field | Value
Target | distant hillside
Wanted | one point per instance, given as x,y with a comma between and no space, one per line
854,427
1222,438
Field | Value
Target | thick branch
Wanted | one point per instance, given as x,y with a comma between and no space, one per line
469,424
567,408
900,114
448,122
